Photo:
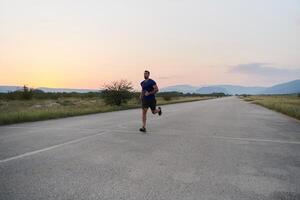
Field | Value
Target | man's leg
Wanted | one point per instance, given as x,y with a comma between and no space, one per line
144,117
153,108
155,111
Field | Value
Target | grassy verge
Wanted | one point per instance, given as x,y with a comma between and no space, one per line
286,104
17,111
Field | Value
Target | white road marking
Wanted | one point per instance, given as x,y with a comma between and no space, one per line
257,140
129,131
51,147
220,137
50,128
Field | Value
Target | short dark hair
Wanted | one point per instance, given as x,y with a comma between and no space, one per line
147,71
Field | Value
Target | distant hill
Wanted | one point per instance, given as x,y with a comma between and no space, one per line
284,88
67,90
180,88
211,89
291,87
5,89
236,89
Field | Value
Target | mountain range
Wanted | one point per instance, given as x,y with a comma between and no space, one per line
5,89
291,87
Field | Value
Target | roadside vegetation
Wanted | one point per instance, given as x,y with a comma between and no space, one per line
286,104
34,105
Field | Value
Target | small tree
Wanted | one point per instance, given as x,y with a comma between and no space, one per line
117,92
27,93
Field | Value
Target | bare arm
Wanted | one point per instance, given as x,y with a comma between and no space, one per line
153,91
141,95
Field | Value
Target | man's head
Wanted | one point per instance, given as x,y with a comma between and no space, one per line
146,74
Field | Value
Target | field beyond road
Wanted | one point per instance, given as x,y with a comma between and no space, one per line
286,104
223,148
15,111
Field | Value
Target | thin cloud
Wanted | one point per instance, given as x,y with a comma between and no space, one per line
265,69
165,77
168,77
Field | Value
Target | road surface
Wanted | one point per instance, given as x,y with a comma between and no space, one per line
215,149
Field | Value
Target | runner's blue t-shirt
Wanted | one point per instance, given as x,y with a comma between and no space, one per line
148,86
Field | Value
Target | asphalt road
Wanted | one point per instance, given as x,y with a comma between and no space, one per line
215,149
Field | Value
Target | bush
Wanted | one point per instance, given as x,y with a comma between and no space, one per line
136,96
13,95
27,93
167,98
117,92
24,94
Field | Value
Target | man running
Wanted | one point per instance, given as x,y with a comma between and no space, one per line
149,89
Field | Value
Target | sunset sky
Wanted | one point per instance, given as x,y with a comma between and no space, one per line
86,43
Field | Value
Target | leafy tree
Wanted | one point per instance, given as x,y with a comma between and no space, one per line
27,93
117,92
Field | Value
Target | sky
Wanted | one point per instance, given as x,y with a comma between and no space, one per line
89,43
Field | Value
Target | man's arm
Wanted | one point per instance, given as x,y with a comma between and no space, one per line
141,95
142,91
154,91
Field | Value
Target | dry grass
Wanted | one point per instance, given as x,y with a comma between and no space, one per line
34,110
286,104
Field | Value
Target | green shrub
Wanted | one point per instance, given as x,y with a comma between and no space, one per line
117,92
27,93
13,95
24,94
167,98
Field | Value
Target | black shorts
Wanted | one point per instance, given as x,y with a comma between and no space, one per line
149,103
